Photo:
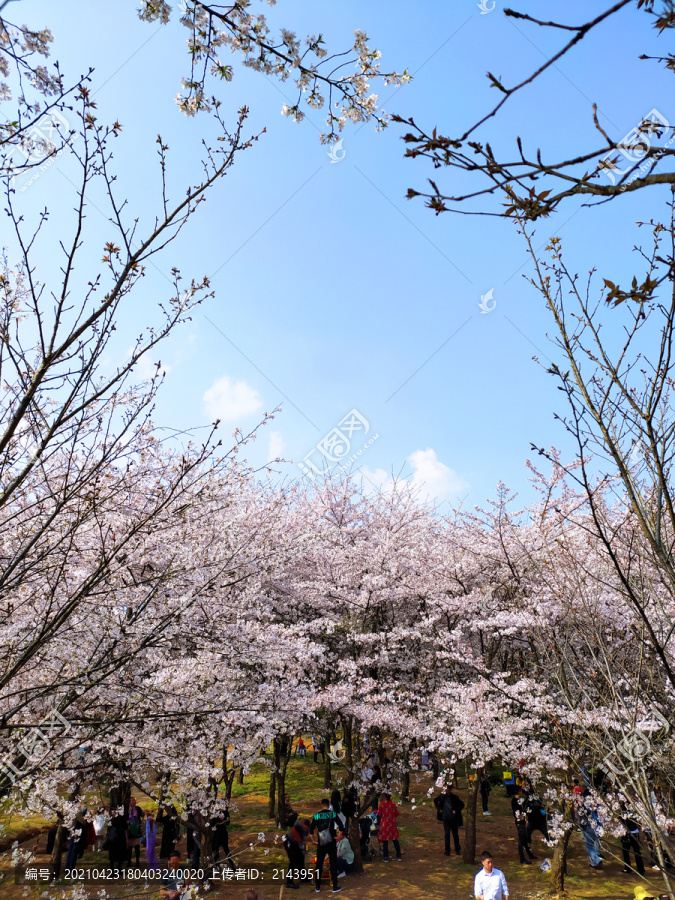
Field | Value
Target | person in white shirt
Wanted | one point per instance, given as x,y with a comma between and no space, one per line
99,827
490,883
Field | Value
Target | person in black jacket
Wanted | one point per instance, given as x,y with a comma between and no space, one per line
221,838
631,841
536,817
167,817
520,808
449,808
325,824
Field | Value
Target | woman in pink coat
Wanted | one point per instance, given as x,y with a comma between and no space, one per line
388,831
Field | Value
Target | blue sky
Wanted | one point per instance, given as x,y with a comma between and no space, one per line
333,292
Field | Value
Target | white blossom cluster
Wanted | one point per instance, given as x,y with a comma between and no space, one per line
321,79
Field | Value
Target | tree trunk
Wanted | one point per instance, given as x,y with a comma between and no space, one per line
405,777
327,773
356,751
355,841
228,773
271,806
57,852
469,852
559,863
282,760
240,777
435,766
347,742
206,859
120,794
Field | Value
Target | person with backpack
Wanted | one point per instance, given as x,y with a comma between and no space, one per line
295,843
449,811
325,825
134,816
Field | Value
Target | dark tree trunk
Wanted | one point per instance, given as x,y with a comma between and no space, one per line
271,806
281,761
207,849
347,741
469,852
355,841
327,771
559,863
57,852
356,751
228,773
240,777
405,777
120,794
435,766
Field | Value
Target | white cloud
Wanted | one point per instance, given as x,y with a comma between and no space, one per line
379,480
432,477
230,400
276,447
146,366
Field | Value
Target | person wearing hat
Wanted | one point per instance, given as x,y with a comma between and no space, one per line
641,893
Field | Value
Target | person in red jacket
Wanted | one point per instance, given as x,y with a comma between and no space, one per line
388,831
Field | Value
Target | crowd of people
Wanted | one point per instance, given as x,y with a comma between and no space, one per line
123,831
368,816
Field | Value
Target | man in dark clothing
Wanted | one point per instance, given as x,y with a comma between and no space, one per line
519,806
449,808
325,824
349,804
485,789
221,838
536,817
295,843
631,841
